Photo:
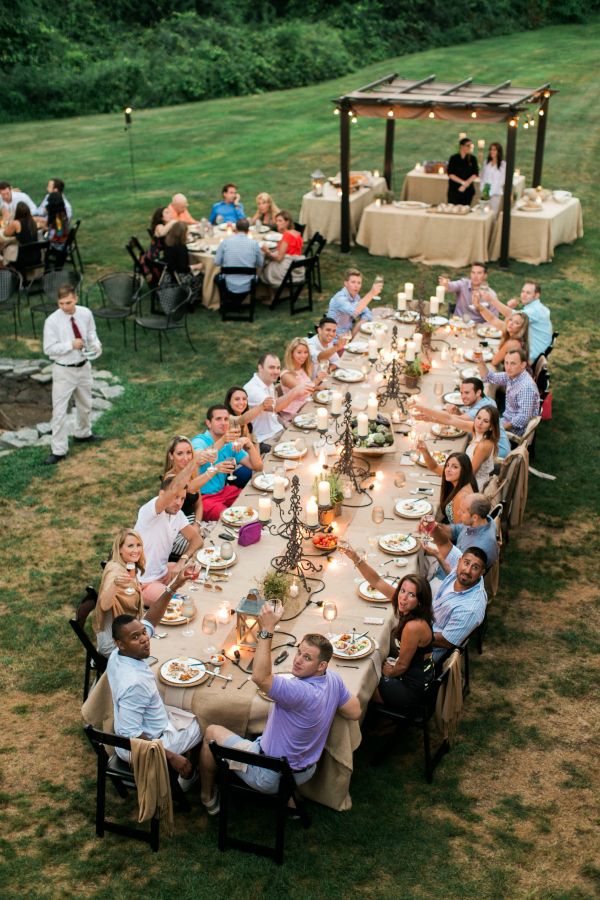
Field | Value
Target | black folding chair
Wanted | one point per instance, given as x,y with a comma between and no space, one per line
292,288
236,307
314,248
121,775
68,254
173,301
230,785
11,287
47,287
300,228
119,292
95,663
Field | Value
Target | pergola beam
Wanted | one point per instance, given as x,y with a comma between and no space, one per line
418,84
497,87
455,87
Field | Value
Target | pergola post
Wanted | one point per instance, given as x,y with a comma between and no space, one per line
511,145
345,173
388,160
540,141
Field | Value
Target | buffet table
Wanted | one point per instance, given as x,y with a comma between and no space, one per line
322,214
443,239
432,188
534,235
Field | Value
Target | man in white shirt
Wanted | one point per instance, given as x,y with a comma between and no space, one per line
10,199
267,427
70,340
323,346
55,184
158,523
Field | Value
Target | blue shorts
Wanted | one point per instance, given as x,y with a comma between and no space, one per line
263,780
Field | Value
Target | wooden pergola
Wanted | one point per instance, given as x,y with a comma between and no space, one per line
392,98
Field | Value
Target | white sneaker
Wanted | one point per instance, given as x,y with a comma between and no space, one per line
186,783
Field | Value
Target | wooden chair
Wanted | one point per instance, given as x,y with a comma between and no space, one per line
121,775
47,288
291,289
230,785
173,301
314,248
11,287
119,292
419,717
95,662
231,305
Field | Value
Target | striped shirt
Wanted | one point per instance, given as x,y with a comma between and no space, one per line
239,251
457,613
522,399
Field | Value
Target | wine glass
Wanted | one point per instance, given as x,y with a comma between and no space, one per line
438,389
377,515
330,612
343,545
399,479
188,610
232,461
131,569
209,623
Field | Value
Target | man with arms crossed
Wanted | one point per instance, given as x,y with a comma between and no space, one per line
299,719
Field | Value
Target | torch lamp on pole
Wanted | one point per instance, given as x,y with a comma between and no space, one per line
128,123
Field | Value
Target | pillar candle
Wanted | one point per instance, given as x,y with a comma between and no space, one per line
401,298
481,143
401,345
378,202
410,351
372,407
440,293
409,290
336,403
264,509
434,306
278,488
294,589
418,342
444,353
224,613
324,493
322,417
373,354
380,335
362,424
312,512
375,173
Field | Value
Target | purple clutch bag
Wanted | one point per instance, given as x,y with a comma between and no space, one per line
249,534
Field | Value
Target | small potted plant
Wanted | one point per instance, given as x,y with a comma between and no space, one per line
276,586
412,373
385,197
336,490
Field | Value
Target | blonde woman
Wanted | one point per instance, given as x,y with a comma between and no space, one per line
120,591
266,210
179,455
297,370
515,331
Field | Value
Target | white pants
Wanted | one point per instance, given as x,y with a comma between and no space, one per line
70,382
182,733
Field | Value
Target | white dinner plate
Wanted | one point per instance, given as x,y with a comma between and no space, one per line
323,397
371,327
348,375
239,515
358,347
305,420
437,321
265,481
209,556
345,647
454,398
182,672
487,355
397,543
366,592
412,509
446,431
288,450
486,331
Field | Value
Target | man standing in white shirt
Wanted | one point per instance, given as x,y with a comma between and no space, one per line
267,427
10,198
323,346
70,340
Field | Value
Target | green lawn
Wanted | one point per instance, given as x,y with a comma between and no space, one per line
511,811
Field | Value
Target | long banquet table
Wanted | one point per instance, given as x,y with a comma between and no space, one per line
443,239
432,188
322,214
244,710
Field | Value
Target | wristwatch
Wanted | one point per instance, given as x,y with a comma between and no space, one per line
265,634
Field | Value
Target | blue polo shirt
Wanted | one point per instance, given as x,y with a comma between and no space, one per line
342,308
219,480
229,212
540,328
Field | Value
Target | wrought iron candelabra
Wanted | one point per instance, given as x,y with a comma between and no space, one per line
393,391
346,464
294,531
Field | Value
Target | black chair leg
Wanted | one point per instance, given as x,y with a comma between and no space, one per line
100,797
135,335
427,749
32,323
188,337
154,834
467,673
124,332
160,355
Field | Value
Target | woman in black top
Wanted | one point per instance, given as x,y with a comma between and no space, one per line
178,263
462,172
24,228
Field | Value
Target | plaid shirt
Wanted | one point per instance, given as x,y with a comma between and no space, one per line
522,399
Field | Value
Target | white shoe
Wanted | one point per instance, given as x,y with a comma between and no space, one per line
186,783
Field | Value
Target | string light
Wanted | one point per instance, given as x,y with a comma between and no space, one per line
525,124
473,115
546,94
350,113
390,114
541,112
354,120
432,115
513,122
336,111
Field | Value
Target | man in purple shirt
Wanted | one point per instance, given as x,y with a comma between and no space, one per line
522,395
299,720
464,287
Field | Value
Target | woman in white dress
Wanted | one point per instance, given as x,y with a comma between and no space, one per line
494,174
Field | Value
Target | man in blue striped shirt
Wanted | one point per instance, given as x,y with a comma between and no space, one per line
522,395
239,251
460,602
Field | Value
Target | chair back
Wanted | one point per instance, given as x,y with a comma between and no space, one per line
121,289
93,658
173,300
53,280
292,286
10,285
299,228
315,245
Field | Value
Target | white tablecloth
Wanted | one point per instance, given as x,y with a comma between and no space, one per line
322,214
433,188
534,235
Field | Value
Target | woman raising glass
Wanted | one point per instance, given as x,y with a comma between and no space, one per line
296,374
120,591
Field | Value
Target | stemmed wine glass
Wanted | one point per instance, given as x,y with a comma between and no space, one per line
132,573
330,612
188,610
232,461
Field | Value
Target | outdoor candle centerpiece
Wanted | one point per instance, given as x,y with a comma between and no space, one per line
294,530
318,182
247,612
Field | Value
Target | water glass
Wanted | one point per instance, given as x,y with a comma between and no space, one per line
377,515
209,623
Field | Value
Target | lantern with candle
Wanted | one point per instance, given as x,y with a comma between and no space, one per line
318,181
247,612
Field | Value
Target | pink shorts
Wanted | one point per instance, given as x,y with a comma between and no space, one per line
214,504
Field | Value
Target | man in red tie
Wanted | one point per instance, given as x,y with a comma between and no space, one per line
70,340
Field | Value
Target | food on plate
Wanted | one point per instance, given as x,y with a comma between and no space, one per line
325,541
237,514
446,430
438,455
180,670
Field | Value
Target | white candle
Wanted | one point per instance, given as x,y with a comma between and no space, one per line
362,424
294,589
372,407
401,298
224,613
395,417
408,290
418,167
401,344
373,354
278,487
380,336
418,342
410,351
481,143
264,509
322,417
441,170
378,202
375,173
336,403
434,306
440,293
517,172
312,512
324,493
444,353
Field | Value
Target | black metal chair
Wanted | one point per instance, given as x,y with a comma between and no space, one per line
300,228
119,292
121,775
232,306
68,254
292,289
419,717
314,248
173,301
230,785
11,287
95,663
31,262
47,287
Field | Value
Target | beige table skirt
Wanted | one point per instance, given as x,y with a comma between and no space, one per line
322,214
433,188
535,235
430,238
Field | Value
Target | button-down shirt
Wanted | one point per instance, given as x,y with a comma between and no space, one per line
342,308
138,707
59,336
471,411
241,251
522,399
457,613
42,209
540,328
463,289
315,346
482,536
18,197
266,425
219,480
229,212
